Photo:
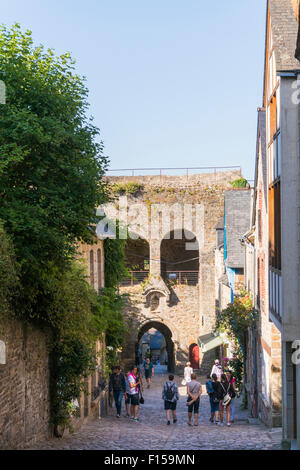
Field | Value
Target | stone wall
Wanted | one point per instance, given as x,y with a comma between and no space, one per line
185,311
24,386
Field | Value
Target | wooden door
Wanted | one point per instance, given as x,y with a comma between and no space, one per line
194,356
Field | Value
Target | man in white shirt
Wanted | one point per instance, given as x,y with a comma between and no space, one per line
217,369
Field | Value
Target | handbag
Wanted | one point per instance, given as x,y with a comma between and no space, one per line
227,399
183,382
141,400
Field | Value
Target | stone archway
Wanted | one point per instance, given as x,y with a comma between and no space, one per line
166,332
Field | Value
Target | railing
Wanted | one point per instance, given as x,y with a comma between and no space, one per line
135,278
275,298
190,278
159,171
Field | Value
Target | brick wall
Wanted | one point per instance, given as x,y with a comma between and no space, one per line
24,386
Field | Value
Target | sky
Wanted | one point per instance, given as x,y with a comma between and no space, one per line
172,83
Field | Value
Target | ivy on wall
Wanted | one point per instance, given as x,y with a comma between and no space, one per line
234,321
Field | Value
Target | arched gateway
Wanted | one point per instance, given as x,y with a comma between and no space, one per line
166,332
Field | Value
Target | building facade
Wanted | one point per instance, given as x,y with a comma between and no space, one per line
264,341
281,106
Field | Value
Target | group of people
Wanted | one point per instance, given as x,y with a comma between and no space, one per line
220,387
131,387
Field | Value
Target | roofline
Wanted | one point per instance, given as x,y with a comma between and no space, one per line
288,73
265,58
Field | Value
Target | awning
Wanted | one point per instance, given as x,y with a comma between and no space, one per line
210,341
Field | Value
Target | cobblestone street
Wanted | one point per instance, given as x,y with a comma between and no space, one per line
152,433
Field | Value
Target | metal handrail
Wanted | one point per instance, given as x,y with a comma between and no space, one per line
186,169
136,277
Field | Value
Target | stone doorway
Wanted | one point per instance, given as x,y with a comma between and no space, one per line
166,332
194,355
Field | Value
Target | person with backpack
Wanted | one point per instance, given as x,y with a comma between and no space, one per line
194,390
117,388
226,393
170,396
215,403
210,391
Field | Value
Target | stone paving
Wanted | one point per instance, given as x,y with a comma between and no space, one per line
152,432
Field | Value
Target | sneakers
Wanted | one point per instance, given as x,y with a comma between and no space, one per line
221,424
168,423
228,424
175,420
118,416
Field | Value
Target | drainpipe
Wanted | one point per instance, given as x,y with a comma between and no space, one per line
298,367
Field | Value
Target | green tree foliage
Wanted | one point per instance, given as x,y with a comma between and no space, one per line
8,273
115,261
239,183
51,165
79,317
235,320
51,173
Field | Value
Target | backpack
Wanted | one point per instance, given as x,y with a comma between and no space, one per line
209,387
227,398
170,392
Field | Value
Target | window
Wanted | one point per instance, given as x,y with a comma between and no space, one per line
99,269
92,271
259,225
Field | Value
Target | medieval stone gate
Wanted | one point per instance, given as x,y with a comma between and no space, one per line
171,258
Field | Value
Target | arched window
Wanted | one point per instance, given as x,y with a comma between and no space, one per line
99,269
92,271
180,257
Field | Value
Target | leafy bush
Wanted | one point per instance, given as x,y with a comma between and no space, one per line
235,320
239,183
79,318
115,261
127,188
8,273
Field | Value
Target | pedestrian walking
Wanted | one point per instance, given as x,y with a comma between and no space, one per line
231,380
170,396
148,370
210,391
215,403
226,393
217,369
188,371
133,393
194,390
127,398
117,388
141,385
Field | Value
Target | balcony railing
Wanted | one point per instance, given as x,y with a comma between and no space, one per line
190,278
275,298
170,171
135,278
